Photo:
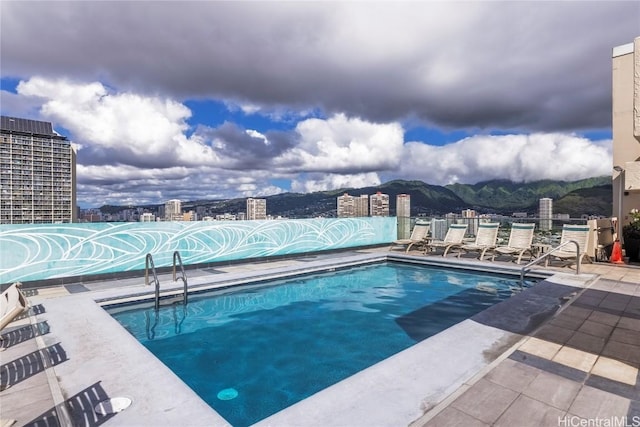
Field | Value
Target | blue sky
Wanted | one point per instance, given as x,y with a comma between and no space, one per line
213,99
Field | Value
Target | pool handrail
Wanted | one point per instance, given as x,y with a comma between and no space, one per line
149,264
527,267
183,276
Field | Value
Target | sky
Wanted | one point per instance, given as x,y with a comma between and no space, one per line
200,100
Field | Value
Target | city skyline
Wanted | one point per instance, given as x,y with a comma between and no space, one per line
254,99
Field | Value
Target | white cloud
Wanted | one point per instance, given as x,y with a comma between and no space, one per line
316,182
347,145
148,129
137,147
515,157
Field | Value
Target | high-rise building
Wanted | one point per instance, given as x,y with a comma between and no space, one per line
256,208
469,218
362,205
37,173
403,205
352,206
147,217
345,206
173,210
546,214
379,204
403,215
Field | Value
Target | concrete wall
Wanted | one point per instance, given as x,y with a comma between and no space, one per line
626,128
52,251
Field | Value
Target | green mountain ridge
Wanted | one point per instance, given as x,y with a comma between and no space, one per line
592,196
507,195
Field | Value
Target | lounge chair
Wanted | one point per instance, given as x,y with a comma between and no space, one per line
418,236
520,240
12,304
577,233
486,238
453,238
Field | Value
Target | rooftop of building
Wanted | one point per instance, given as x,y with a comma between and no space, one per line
28,127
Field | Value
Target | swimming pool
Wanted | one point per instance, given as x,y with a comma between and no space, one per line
254,351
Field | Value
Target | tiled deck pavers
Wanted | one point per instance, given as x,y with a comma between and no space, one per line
584,364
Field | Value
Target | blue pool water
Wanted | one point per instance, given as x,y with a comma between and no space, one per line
252,352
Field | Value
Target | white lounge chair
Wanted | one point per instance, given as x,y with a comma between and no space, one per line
486,238
418,236
455,235
520,240
577,233
12,304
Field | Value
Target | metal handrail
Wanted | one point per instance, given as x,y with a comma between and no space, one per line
149,263
527,267
183,276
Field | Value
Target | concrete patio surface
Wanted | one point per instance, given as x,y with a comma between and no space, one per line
581,364
581,368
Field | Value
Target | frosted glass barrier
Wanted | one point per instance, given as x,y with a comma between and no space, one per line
48,251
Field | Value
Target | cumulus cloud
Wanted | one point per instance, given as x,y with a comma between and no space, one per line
141,147
122,184
123,127
520,158
317,182
133,145
342,144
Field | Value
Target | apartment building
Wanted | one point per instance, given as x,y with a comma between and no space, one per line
403,214
37,173
379,204
403,205
173,210
545,213
469,217
352,206
256,208
147,217
626,129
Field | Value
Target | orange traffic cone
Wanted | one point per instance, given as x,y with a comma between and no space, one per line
616,253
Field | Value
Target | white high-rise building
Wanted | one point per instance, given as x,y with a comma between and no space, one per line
379,204
546,214
403,214
352,206
147,217
256,208
403,205
38,173
173,210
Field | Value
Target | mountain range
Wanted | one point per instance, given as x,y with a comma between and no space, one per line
592,196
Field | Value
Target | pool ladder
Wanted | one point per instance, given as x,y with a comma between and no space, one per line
177,262
183,276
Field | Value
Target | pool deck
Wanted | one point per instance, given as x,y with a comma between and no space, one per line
579,363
